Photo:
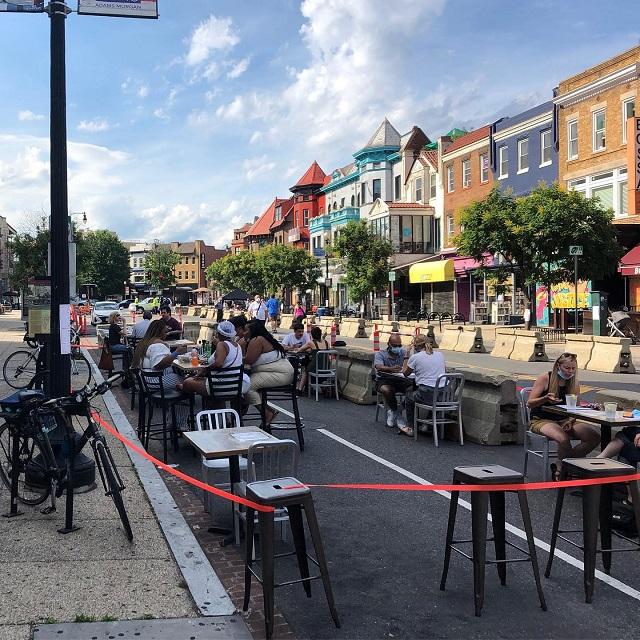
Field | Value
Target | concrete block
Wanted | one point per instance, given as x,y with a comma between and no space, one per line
349,327
355,379
191,311
470,340
432,336
582,346
529,347
611,355
191,328
450,337
503,346
286,320
361,332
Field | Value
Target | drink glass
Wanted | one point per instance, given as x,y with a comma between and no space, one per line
610,409
572,400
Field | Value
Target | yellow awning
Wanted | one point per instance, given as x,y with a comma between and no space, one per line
441,271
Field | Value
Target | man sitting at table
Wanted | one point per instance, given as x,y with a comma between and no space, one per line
174,327
293,342
140,328
390,380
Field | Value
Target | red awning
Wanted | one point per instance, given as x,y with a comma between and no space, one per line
630,263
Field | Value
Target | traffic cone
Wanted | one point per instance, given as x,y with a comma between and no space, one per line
376,339
417,331
333,335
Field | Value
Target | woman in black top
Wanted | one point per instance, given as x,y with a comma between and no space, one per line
117,334
552,388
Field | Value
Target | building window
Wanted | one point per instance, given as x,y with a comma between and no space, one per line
623,199
193,275
628,111
433,185
605,195
353,200
599,125
278,213
418,189
397,194
193,259
305,217
305,198
484,167
335,206
450,178
376,165
179,275
377,188
342,203
358,200
450,225
503,162
572,137
363,192
466,173
523,155
545,147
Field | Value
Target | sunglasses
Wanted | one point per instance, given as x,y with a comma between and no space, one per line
569,355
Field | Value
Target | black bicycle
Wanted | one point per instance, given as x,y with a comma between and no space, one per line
26,449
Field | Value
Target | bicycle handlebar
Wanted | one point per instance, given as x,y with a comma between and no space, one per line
83,395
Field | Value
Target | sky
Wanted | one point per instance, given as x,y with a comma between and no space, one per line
184,127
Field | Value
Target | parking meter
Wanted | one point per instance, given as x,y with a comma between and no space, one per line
600,309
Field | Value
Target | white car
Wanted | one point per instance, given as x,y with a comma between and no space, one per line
102,310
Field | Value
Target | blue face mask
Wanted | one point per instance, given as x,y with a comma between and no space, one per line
563,375
395,350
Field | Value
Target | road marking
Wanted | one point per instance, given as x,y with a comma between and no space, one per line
574,562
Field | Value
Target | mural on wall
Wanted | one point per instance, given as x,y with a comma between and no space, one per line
562,297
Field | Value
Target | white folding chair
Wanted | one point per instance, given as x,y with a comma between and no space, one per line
326,373
535,444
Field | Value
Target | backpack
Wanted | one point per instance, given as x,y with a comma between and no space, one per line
623,518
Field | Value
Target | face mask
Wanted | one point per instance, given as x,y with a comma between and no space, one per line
563,375
395,350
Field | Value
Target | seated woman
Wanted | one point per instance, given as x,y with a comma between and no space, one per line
152,354
427,365
315,344
117,333
552,388
227,355
268,362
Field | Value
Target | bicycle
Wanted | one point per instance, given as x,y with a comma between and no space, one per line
21,365
24,438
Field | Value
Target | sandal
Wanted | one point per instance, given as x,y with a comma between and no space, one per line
407,431
555,474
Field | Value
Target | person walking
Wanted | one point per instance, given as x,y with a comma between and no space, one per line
273,307
258,310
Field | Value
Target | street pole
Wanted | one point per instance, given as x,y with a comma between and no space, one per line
575,283
59,348
393,307
326,279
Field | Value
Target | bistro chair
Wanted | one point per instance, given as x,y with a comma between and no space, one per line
326,374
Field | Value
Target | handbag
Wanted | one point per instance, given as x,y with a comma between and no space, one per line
106,358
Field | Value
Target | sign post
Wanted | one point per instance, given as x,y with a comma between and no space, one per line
392,279
575,250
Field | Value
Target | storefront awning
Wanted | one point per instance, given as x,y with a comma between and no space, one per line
630,263
440,271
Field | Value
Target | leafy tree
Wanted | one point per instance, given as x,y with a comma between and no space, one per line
102,260
367,258
531,235
283,267
159,264
237,271
30,251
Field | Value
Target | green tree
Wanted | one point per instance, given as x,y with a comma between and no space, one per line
531,235
102,260
283,267
237,271
30,251
159,265
366,256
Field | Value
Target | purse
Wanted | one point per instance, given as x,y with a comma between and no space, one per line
106,358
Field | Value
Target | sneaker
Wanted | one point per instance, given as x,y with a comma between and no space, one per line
391,418
400,422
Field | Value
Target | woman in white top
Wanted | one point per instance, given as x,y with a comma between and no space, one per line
152,354
427,365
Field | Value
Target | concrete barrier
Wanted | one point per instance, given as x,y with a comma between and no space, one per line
529,347
286,320
582,346
353,328
470,341
354,375
191,312
611,355
503,346
190,329
326,322
430,333
450,337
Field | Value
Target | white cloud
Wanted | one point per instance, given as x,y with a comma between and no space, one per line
143,91
136,87
254,167
29,116
161,114
239,68
97,125
211,35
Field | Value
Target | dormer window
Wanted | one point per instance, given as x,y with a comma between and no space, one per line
278,212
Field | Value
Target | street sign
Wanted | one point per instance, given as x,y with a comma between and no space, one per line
575,250
392,276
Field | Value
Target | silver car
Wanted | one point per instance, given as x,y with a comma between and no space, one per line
102,310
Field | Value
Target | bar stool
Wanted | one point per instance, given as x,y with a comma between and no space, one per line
274,493
491,474
596,506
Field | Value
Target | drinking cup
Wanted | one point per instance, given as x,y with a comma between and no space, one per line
571,400
610,409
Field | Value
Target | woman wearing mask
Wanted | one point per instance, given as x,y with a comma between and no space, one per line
552,388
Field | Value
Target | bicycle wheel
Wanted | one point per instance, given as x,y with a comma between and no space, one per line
34,485
19,368
113,485
80,370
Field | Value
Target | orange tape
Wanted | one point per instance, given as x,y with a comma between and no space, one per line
178,474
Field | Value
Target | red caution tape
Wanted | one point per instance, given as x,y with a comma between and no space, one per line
178,474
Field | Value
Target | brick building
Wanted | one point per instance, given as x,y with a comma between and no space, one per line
190,275
238,243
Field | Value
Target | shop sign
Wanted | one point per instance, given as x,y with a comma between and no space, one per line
633,165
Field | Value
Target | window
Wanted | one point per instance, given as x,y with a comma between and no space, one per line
193,259
397,194
335,206
450,178
193,275
433,185
353,200
375,165
377,188
628,111
179,275
305,198
605,195
466,173
572,137
523,155
503,162
363,192
418,189
623,198
450,225
599,125
545,147
278,213
358,200
305,217
342,203
484,167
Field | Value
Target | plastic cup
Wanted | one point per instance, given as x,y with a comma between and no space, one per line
610,409
571,400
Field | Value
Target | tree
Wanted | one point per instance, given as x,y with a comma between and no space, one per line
531,235
102,260
367,258
159,264
30,251
237,271
283,267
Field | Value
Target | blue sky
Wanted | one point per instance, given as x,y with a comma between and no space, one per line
187,126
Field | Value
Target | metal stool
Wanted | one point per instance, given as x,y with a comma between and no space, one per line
489,474
274,494
596,505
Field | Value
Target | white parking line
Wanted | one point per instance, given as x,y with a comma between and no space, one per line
574,562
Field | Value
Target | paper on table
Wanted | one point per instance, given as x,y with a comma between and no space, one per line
249,437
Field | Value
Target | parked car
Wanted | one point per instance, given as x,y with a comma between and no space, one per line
148,304
102,310
125,304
